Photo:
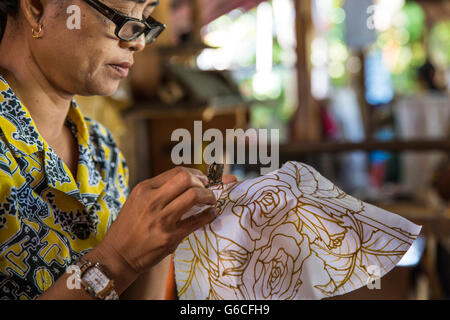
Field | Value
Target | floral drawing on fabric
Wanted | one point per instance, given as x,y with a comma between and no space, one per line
290,234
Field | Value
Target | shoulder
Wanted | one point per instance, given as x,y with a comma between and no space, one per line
105,147
99,133
102,139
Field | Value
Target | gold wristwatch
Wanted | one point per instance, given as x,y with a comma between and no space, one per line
95,281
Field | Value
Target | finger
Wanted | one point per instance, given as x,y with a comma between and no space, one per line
162,178
189,225
229,178
190,198
176,186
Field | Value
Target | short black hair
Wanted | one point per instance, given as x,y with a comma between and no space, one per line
7,7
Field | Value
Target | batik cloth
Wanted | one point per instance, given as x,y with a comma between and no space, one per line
290,234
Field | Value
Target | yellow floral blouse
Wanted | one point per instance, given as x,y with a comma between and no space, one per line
48,218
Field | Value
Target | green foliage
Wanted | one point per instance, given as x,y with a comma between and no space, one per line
440,43
416,20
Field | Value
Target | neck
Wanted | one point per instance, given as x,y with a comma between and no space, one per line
47,104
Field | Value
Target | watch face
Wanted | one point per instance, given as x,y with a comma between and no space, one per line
96,279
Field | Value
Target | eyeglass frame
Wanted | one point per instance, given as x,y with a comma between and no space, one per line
120,19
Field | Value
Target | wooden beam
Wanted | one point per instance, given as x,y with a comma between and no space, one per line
196,21
293,150
305,125
163,13
358,82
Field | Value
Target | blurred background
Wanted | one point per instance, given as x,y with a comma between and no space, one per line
359,89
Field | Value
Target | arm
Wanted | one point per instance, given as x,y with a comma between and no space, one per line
147,230
115,266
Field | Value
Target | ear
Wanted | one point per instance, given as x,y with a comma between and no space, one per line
32,11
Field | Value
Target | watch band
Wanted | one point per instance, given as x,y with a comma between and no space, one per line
90,281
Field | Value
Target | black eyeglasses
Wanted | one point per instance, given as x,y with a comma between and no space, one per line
128,28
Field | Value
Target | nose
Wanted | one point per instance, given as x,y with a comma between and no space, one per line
136,45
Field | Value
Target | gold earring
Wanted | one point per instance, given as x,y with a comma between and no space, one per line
37,34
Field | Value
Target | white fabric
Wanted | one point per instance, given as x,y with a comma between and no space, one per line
290,234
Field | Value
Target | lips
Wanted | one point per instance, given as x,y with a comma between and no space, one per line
121,69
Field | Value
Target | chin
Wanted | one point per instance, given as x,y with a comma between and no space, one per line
107,87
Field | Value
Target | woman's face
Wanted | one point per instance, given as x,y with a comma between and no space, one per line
85,60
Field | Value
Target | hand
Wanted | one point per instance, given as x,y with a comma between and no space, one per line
148,227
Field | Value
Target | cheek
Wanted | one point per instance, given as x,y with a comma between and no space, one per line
75,58
99,81
79,69
60,48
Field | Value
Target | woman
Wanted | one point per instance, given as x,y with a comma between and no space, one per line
62,179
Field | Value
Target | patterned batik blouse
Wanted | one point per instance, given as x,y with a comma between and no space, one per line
48,219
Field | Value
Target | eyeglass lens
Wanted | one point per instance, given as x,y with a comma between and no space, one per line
153,34
131,29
